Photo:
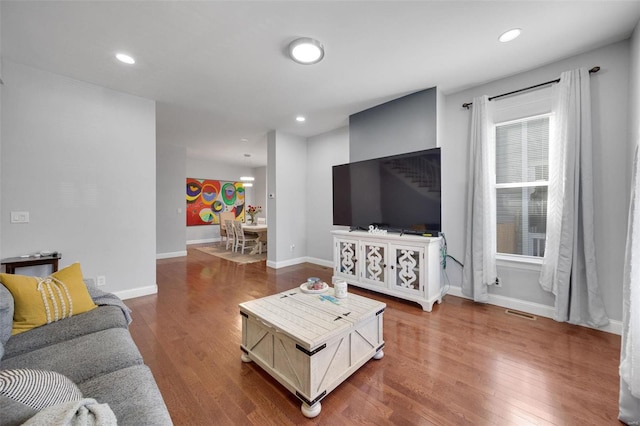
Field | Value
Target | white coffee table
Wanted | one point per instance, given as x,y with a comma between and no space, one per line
309,344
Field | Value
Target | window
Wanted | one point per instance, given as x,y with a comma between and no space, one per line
522,180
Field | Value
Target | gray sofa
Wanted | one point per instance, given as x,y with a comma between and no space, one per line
95,351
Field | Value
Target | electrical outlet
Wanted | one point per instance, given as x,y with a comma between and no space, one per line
101,280
498,283
292,247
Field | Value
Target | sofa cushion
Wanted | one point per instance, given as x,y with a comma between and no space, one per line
6,317
24,392
132,394
101,318
40,301
84,357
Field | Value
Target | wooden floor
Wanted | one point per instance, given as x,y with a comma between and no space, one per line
463,363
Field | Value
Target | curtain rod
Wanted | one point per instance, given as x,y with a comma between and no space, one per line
468,104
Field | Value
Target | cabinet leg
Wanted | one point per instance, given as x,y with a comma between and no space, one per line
379,354
426,306
311,411
245,358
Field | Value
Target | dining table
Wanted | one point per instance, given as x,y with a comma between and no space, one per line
261,232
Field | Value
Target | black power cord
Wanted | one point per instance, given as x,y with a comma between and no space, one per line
444,255
443,260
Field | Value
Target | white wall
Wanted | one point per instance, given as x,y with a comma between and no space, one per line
81,160
611,178
272,206
324,151
205,169
170,203
287,233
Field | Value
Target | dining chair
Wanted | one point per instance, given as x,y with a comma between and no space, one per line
231,235
242,241
224,234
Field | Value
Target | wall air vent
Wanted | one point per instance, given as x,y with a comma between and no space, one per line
519,314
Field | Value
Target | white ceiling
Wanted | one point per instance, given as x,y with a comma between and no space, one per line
219,72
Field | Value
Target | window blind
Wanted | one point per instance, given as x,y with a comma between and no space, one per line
522,175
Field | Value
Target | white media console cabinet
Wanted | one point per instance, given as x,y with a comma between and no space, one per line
404,266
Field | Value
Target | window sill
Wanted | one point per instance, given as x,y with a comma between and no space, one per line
519,262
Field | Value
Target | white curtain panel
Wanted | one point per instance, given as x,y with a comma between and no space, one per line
569,265
630,351
480,248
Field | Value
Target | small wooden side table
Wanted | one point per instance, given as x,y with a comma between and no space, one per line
11,263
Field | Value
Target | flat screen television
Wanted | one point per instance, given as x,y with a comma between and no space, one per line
400,193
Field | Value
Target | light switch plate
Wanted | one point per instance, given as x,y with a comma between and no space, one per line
19,217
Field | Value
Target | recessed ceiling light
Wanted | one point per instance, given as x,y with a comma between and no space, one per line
300,119
244,140
125,58
306,51
510,35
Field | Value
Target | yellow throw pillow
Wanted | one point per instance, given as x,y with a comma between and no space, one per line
40,301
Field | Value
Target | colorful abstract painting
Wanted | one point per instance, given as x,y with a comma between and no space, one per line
206,199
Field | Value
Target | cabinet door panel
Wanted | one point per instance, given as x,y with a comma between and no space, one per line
374,266
408,266
347,255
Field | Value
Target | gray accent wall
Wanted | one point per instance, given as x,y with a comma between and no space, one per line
81,160
399,126
402,125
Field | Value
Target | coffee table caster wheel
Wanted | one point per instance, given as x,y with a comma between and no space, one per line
245,358
379,354
311,412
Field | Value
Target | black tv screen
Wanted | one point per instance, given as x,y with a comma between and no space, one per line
398,193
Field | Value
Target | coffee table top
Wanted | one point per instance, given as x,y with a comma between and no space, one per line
312,319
